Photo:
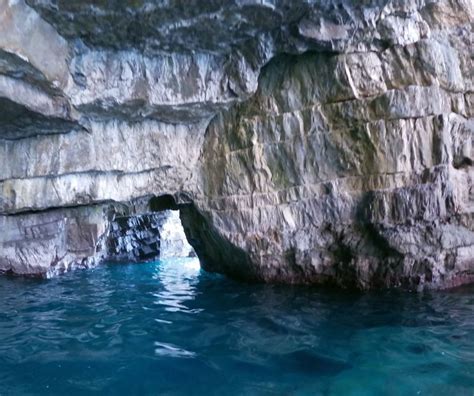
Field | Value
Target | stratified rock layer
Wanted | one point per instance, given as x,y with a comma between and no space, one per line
53,242
303,141
146,237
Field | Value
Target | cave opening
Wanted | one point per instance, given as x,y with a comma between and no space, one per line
155,233
163,202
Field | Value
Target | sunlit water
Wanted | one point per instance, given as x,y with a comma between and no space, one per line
168,329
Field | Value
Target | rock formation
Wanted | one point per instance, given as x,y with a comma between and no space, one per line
150,236
303,141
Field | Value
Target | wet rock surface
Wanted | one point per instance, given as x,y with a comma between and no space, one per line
303,141
55,241
146,237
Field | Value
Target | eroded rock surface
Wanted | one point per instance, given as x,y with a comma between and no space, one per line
55,241
144,237
303,141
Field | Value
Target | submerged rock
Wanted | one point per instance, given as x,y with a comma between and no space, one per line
302,142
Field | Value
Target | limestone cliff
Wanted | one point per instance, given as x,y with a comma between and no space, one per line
304,141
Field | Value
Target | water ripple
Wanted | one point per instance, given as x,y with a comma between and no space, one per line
167,328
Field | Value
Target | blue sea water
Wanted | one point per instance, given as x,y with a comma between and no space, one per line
166,328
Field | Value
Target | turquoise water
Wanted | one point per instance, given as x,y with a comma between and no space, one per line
168,329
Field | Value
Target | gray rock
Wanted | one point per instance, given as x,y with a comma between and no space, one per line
145,237
302,141
55,241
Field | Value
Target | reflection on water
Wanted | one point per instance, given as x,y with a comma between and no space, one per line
177,280
171,350
168,328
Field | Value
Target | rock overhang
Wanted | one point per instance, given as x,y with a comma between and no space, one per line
313,140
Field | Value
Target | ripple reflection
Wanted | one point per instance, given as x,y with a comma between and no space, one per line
178,280
170,328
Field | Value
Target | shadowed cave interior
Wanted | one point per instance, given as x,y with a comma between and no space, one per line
156,234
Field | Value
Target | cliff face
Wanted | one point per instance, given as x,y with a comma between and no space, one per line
303,141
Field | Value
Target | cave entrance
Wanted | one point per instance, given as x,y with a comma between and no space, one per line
173,240
157,233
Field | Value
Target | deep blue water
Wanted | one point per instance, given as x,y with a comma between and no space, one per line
168,329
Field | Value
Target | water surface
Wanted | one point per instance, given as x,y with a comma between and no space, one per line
167,328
